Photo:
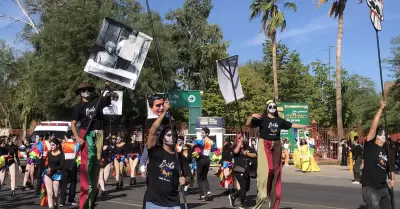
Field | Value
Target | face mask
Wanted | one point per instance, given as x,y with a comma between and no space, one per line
271,108
85,94
168,138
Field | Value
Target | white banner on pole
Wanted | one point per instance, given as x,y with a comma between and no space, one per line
228,69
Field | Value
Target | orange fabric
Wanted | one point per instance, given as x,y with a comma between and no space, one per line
68,147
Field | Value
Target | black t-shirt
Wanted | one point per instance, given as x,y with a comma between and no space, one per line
134,148
163,177
244,161
84,111
55,162
375,166
227,152
270,128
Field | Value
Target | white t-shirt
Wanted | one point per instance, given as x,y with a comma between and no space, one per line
129,51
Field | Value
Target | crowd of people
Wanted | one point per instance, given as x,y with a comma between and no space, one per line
170,164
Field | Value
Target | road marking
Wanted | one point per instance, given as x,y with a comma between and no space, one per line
125,203
315,206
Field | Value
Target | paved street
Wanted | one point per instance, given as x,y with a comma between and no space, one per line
329,189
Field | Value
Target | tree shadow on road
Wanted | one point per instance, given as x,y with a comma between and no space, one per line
362,207
16,204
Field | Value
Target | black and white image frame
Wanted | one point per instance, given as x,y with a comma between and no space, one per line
118,54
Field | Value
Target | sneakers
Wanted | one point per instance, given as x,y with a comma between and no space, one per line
208,196
355,182
231,200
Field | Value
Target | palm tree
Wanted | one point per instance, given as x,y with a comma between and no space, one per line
337,10
272,18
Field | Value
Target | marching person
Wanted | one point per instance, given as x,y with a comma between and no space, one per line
35,153
92,142
120,162
24,150
70,149
105,165
225,171
243,155
45,147
9,151
269,153
52,175
204,149
356,151
286,146
163,168
374,180
134,151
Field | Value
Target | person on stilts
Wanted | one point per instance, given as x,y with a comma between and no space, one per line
92,142
269,154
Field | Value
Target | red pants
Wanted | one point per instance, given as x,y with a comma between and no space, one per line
269,171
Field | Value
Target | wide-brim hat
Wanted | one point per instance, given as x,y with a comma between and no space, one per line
82,86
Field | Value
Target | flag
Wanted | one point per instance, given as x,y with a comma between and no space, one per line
228,73
376,13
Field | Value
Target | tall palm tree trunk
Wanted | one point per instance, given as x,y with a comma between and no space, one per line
340,133
274,70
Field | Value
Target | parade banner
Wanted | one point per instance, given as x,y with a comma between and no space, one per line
118,53
376,13
228,79
116,103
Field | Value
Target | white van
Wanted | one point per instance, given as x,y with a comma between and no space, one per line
58,128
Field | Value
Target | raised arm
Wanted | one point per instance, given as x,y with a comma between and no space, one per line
151,139
375,121
239,143
253,120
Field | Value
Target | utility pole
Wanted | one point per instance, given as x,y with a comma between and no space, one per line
329,72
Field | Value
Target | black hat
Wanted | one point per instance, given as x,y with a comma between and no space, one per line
84,85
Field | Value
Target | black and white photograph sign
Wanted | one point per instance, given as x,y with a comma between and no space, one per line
116,103
118,54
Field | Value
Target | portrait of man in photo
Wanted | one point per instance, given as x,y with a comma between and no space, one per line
155,106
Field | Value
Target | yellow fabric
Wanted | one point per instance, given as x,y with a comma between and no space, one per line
307,161
2,161
296,159
352,135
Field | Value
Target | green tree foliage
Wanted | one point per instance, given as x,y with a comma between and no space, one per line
198,43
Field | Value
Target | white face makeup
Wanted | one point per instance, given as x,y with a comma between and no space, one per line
119,139
85,94
168,138
271,107
53,146
203,134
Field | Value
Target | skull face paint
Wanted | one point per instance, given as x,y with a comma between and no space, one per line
203,134
271,108
168,138
381,136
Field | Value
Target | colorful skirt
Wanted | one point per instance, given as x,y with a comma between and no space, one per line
221,174
43,193
134,156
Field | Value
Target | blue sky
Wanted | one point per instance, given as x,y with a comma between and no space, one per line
309,31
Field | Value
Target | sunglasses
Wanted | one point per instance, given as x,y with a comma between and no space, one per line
159,105
271,106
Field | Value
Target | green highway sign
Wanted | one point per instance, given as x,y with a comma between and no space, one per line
184,99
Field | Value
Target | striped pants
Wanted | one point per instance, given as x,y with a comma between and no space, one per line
269,171
90,168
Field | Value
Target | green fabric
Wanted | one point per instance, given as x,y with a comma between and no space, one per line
352,135
94,142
